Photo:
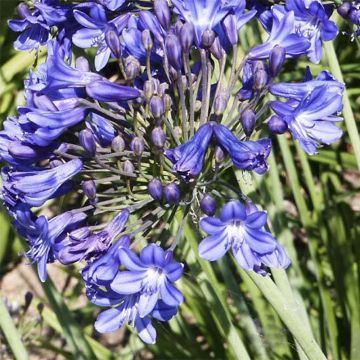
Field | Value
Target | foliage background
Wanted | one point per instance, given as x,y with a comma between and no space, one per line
314,206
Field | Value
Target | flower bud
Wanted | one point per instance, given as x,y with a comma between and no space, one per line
82,64
149,89
118,144
187,34
344,9
260,79
276,60
157,106
277,125
230,27
158,137
155,188
178,132
89,189
55,163
167,102
173,51
162,88
220,104
128,167
208,205
219,155
248,121
131,67
113,42
207,38
172,194
162,12
354,16
87,141
147,40
216,49
137,145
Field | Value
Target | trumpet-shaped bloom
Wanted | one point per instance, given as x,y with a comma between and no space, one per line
151,275
34,187
312,120
242,229
246,155
188,158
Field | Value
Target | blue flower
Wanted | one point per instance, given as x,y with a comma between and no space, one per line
35,187
311,120
35,25
151,275
83,244
134,303
41,234
95,26
300,89
312,22
246,155
242,229
188,158
282,34
205,14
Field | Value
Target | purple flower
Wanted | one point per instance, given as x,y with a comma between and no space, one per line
311,120
151,275
312,22
246,155
205,14
36,24
242,229
41,234
84,244
299,90
282,34
95,26
35,187
188,158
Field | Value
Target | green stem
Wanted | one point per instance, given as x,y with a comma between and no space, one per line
11,334
347,111
288,314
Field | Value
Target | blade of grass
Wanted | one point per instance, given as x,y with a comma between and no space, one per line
11,334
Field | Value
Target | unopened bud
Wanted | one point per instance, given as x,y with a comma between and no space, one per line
157,106
230,27
219,155
344,9
89,189
149,89
187,34
207,38
137,145
248,121
260,79
167,102
131,67
155,188
162,12
220,104
147,40
172,194
128,167
158,137
216,49
118,144
87,141
55,163
173,51
277,125
113,42
208,205
276,60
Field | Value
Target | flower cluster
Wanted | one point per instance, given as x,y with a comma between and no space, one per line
142,127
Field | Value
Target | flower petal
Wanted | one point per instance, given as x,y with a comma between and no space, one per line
214,247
